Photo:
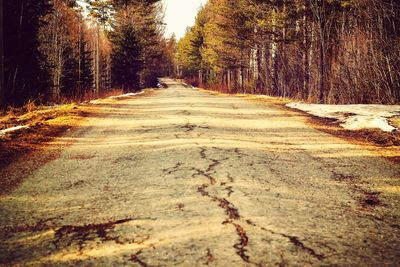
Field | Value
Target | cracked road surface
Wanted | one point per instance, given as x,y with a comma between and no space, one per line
184,178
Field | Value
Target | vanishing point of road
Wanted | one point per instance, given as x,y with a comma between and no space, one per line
181,177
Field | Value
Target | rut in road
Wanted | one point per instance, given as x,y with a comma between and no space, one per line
180,177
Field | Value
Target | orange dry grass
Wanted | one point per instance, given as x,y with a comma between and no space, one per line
385,144
35,143
44,125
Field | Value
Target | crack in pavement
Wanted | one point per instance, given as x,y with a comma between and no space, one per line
190,127
135,258
244,240
234,216
366,198
230,190
204,174
173,169
230,209
209,257
293,239
87,232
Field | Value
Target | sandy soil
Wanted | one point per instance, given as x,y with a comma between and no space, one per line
181,177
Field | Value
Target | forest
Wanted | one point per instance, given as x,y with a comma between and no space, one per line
322,51
59,50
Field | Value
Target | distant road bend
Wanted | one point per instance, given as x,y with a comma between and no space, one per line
180,177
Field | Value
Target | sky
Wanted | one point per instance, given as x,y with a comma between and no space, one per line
179,14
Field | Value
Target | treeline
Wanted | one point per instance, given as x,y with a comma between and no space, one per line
327,51
63,49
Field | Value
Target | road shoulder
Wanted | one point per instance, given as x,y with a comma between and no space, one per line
46,133
384,144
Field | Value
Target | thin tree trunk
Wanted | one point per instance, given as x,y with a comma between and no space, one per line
306,52
2,89
311,57
78,93
274,52
229,80
321,66
322,43
97,60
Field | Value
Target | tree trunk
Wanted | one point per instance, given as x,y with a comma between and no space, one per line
306,51
321,67
2,89
229,80
97,88
273,53
79,89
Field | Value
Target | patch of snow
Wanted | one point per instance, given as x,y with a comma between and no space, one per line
99,101
13,129
367,122
96,101
126,95
353,117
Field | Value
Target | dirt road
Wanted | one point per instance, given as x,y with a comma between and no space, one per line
184,178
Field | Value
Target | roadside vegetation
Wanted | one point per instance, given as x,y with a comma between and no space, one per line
57,51
59,54
320,51
42,125
385,144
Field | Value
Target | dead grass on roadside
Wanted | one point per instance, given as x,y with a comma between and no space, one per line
385,144
264,98
45,124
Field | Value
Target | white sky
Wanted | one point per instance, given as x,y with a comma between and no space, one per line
179,14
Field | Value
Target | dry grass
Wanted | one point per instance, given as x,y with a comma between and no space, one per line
395,122
45,124
385,144
22,145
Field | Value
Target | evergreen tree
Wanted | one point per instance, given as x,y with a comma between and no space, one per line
136,38
24,76
126,62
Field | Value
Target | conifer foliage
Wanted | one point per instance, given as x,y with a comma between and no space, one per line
58,49
327,51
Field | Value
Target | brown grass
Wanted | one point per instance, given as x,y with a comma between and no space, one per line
29,144
45,124
385,144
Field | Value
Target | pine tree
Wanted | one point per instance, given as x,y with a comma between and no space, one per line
24,76
126,62
136,38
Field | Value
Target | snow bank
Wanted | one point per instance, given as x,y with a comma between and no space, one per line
99,101
353,117
125,95
13,129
